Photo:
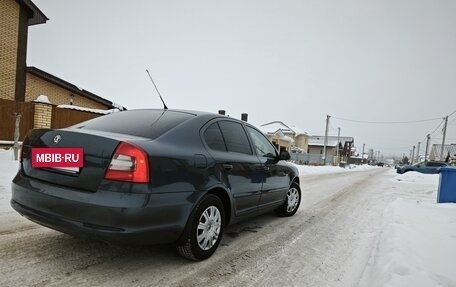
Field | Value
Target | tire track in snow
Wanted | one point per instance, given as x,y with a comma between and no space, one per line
259,251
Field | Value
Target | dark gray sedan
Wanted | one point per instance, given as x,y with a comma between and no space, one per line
428,167
153,176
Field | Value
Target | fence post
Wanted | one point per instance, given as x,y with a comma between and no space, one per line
43,115
16,134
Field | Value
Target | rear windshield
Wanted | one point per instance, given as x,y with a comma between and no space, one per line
143,123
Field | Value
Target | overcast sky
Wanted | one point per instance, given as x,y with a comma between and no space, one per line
294,61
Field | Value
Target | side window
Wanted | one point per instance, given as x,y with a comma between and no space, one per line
262,145
213,137
235,137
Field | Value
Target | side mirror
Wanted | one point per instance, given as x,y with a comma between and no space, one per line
284,155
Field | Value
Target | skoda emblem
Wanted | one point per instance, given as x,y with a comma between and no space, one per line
57,139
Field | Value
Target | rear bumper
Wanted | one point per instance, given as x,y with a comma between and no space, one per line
130,218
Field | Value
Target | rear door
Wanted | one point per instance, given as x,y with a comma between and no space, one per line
229,146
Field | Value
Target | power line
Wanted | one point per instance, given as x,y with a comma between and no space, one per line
395,122
437,127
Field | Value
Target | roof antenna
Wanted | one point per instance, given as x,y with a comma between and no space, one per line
164,105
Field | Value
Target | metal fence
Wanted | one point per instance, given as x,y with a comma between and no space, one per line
311,159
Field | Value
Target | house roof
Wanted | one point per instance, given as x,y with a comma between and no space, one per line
320,141
35,16
66,85
276,126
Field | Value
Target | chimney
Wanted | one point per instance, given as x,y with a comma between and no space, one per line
244,117
221,112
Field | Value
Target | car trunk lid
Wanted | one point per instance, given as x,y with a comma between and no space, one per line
98,148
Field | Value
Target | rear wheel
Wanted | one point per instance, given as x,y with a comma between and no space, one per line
292,201
204,229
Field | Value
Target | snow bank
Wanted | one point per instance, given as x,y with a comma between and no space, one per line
417,243
417,246
311,170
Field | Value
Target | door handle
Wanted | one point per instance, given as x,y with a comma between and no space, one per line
262,167
227,166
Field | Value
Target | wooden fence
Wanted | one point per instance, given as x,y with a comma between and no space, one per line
62,118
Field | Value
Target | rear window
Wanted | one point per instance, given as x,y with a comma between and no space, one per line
143,123
429,163
235,137
213,137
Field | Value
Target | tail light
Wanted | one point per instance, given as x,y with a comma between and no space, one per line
21,150
129,163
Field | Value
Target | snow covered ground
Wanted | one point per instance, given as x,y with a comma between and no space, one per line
8,168
416,245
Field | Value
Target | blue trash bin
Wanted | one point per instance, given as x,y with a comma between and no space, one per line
447,185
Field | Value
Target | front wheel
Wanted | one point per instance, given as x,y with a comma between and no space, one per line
292,201
204,229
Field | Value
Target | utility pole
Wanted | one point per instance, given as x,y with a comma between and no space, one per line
427,146
362,155
413,155
326,139
443,140
16,135
418,152
338,141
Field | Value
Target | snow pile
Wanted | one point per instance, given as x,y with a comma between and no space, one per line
42,99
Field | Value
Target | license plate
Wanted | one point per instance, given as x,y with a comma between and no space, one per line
68,159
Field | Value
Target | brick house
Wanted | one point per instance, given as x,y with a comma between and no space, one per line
20,85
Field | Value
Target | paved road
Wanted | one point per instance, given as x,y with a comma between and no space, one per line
327,243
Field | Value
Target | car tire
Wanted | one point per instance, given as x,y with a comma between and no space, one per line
292,201
204,229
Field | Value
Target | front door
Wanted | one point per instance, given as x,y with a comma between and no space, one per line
276,180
